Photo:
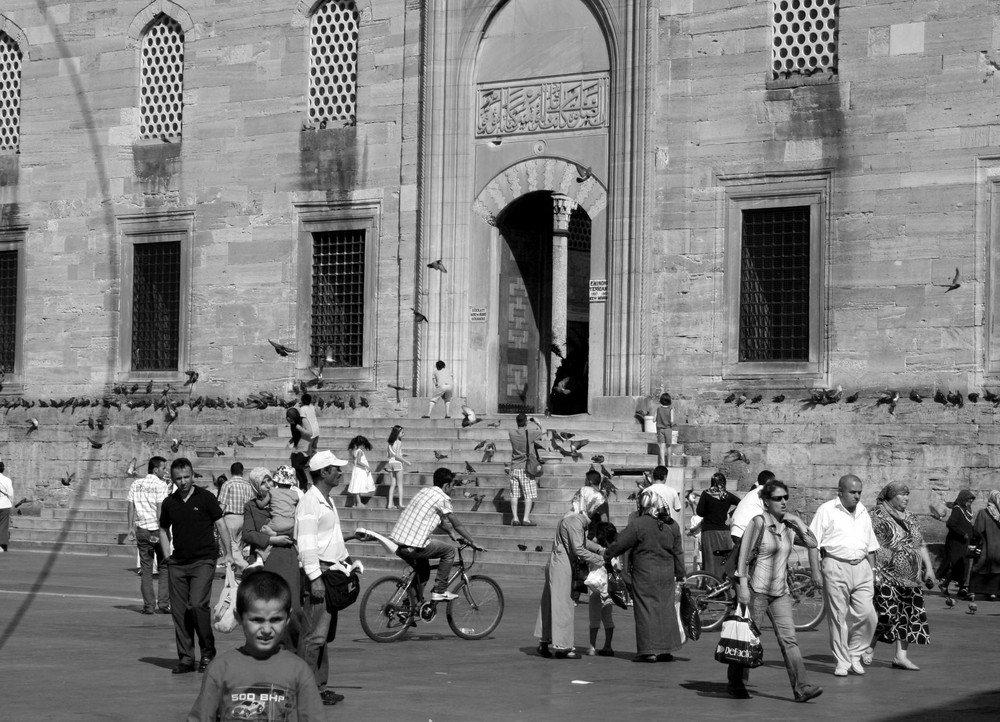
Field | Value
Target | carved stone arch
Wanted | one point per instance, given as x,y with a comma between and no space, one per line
152,11
304,10
541,174
14,32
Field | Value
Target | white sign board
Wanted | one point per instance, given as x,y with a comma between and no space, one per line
598,290
477,315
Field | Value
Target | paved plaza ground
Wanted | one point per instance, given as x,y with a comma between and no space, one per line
73,646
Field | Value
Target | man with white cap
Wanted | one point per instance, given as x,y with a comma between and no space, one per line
6,503
321,547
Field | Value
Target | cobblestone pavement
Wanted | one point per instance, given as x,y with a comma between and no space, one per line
73,646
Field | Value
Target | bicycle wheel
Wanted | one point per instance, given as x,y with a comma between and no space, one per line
807,600
386,610
712,596
478,608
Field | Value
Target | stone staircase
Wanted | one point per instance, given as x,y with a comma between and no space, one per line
97,520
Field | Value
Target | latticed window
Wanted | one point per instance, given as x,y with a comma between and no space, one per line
161,85
8,310
10,93
804,37
156,306
774,285
338,298
333,62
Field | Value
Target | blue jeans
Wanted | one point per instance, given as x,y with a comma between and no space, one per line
190,596
419,558
148,550
779,611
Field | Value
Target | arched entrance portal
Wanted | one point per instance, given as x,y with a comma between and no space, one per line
543,319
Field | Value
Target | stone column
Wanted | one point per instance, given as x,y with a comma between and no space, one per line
562,208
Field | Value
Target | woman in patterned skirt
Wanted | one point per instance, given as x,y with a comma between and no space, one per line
900,563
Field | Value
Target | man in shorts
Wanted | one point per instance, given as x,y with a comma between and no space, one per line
522,442
443,389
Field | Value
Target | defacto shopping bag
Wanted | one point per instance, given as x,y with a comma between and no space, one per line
740,641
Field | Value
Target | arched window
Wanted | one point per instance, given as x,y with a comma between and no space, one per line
804,38
10,93
333,63
161,85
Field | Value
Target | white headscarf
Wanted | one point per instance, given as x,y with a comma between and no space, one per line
586,500
652,502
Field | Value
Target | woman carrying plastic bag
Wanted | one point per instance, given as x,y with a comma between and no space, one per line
224,612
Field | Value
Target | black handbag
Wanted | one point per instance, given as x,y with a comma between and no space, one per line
341,589
532,465
617,589
690,616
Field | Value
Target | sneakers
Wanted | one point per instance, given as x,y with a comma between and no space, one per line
810,691
443,596
840,671
856,667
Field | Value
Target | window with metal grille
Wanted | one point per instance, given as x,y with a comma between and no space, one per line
156,306
333,62
8,310
774,285
338,298
10,93
804,37
161,84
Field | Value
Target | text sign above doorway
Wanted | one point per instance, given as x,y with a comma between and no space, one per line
477,314
598,290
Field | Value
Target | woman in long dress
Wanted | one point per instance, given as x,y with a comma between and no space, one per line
714,508
653,540
986,534
954,562
362,481
554,627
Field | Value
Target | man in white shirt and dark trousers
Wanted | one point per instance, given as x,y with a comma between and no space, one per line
321,547
145,499
847,546
6,504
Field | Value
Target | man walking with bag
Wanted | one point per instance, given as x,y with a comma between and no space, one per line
525,466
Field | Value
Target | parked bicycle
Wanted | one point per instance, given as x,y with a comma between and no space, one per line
392,605
714,597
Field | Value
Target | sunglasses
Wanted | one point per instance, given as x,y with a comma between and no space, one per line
778,498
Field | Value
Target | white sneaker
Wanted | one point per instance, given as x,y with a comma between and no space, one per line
840,671
856,667
443,596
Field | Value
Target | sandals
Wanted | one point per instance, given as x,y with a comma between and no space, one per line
905,664
867,655
565,653
515,523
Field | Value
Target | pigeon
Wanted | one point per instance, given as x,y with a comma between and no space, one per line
955,284
131,471
974,397
940,397
560,436
438,455
778,399
735,455
100,424
469,468
218,451
149,387
339,402
477,501
852,398
175,445
469,416
991,397
523,547
437,266
192,377
757,399
608,488
32,425
68,479
94,444
949,602
363,402
533,420
419,317
915,397
741,399
480,445
143,425
494,424
956,399
488,452
597,458
220,480
554,348
972,607
730,399
351,402
889,398
539,548
281,349
395,387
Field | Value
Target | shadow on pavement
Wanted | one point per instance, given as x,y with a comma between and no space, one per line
983,705
161,662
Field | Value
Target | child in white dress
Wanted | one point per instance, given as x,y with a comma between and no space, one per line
362,481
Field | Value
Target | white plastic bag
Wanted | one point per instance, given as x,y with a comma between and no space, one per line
597,581
224,613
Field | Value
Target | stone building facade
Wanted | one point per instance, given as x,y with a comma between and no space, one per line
711,197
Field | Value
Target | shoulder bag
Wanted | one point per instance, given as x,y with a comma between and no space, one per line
532,465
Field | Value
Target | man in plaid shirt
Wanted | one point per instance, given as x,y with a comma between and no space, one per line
233,496
145,497
428,509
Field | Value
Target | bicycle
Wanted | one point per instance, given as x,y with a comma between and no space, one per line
714,597
392,605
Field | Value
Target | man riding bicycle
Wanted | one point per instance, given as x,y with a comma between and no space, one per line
429,508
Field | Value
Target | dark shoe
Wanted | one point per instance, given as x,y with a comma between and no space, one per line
163,610
810,691
665,657
146,610
182,668
565,654
544,651
330,697
944,590
739,693
647,658
205,661
605,653
515,523
528,523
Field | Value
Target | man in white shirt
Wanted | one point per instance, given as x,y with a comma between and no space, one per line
6,504
428,509
847,546
321,547
671,499
145,499
750,506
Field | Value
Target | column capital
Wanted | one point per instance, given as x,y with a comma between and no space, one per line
562,209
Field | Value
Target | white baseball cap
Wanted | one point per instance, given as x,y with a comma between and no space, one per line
323,459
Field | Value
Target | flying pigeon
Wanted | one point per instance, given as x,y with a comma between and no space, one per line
94,444
955,282
418,317
438,455
68,479
437,266
192,377
735,455
469,416
32,425
281,349
131,467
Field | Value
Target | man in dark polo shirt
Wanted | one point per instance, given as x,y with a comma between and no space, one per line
187,517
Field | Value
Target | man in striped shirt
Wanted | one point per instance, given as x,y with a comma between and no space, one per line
430,508
145,498
233,496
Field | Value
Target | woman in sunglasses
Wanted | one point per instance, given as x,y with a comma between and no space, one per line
761,571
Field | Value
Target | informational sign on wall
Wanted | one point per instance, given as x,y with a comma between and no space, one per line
598,290
477,315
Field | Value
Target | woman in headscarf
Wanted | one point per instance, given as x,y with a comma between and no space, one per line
653,540
953,566
986,535
713,508
283,558
900,563
554,627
